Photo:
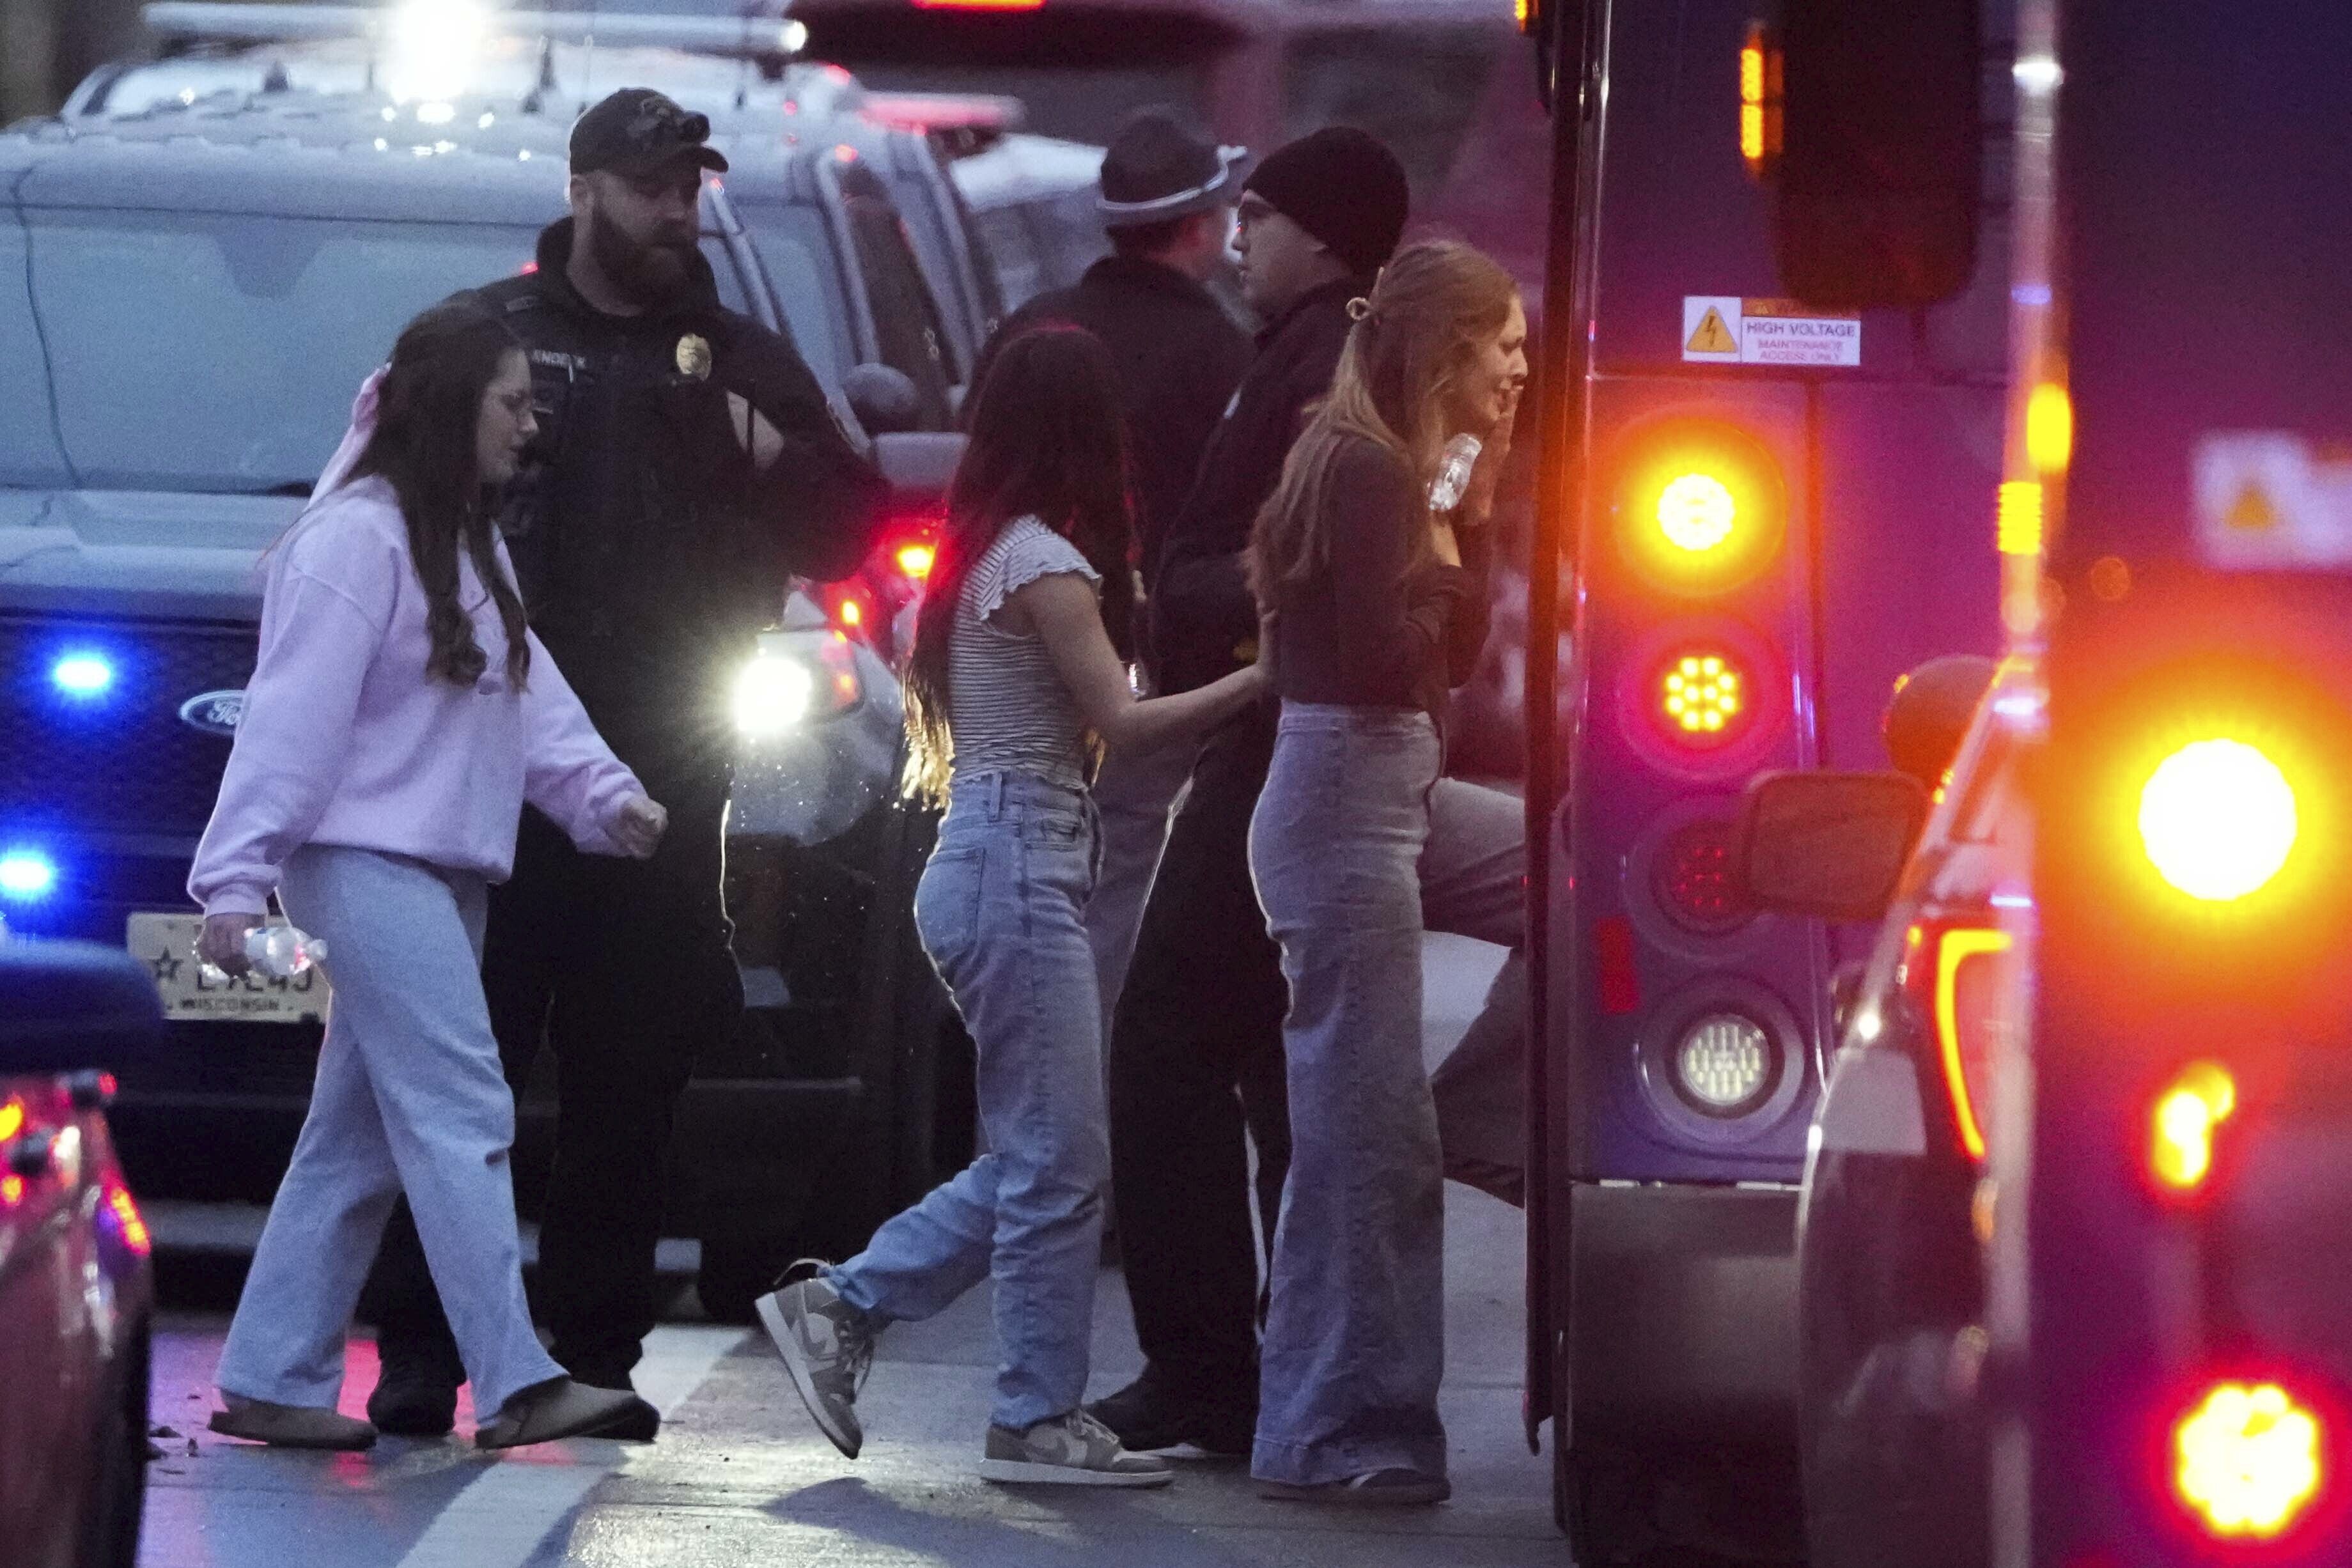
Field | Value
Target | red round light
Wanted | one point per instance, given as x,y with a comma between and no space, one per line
1692,879
1704,697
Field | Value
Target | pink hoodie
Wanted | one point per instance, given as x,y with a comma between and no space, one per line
344,739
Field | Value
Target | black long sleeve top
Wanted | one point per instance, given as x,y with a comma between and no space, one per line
1373,629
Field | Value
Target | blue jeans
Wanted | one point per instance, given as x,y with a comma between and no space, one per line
1355,1335
409,1098
1001,912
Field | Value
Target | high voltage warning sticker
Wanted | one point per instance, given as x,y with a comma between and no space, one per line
1726,329
2270,500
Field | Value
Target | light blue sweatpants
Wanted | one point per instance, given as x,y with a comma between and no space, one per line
409,1098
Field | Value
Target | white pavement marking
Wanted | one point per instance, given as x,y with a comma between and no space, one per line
502,1516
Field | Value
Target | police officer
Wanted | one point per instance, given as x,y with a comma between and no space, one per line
1167,202
687,462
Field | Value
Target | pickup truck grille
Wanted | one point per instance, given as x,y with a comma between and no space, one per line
122,760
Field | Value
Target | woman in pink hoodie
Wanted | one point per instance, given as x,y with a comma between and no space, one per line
399,717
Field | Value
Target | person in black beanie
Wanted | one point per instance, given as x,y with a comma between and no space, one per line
1195,1058
1196,1067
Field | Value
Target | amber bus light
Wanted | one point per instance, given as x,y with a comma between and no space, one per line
2218,820
1700,510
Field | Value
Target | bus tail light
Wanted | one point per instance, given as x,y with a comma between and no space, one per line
2248,1460
2218,820
1705,698
1700,507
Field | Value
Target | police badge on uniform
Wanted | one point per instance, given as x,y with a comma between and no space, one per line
693,357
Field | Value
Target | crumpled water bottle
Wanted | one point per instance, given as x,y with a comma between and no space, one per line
1453,470
276,953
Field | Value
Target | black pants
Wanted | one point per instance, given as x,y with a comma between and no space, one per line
624,969
1196,1074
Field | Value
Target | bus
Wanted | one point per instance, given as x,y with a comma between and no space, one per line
1774,366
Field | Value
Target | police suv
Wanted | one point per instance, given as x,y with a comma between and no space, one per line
206,285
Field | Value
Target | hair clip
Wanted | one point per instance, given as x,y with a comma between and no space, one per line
1360,308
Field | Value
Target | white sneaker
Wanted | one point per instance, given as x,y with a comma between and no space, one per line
1071,1450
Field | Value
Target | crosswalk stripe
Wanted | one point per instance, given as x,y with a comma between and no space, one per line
501,1516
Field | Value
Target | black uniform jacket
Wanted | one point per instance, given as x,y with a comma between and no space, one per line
649,549
1203,619
1180,357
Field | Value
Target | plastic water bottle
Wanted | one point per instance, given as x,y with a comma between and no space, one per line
1454,469
276,953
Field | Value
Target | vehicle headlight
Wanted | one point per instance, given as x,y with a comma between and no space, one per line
795,679
774,693
1722,1063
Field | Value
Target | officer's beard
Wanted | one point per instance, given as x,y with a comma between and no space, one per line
649,274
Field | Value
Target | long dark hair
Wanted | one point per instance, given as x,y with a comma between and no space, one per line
427,411
1048,441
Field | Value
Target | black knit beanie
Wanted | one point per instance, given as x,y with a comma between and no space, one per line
1343,187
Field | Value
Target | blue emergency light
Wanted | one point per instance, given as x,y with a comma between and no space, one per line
83,674
27,876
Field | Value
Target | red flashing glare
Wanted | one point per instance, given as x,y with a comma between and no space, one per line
526,269
917,560
1620,983
838,73
2249,1460
129,1222
980,4
845,153
108,1085
792,106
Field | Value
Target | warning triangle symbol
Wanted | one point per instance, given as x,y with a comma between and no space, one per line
1712,336
2251,512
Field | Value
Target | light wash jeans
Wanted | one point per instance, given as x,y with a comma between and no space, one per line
1355,1335
1001,910
409,1098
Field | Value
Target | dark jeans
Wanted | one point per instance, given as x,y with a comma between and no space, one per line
1195,1061
624,969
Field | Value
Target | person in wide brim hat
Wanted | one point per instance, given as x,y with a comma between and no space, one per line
1155,171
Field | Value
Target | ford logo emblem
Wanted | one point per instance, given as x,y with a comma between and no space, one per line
214,713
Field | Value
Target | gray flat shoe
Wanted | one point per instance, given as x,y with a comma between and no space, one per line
1373,1488
291,1426
561,1408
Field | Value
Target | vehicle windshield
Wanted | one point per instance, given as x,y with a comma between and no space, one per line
804,272
211,352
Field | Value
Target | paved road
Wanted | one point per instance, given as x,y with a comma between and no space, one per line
739,1476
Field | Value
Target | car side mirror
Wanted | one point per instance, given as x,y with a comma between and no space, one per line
1881,162
884,398
919,466
1831,845
67,1007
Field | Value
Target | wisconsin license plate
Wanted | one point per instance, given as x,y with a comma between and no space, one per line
166,943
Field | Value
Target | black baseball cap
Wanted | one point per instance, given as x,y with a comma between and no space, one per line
637,131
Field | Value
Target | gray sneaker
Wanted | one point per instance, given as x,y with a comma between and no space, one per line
1071,1450
828,1348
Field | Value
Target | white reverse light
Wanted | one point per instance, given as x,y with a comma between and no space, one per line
772,693
1723,1062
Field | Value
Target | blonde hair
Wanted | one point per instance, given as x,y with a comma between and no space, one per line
1415,336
